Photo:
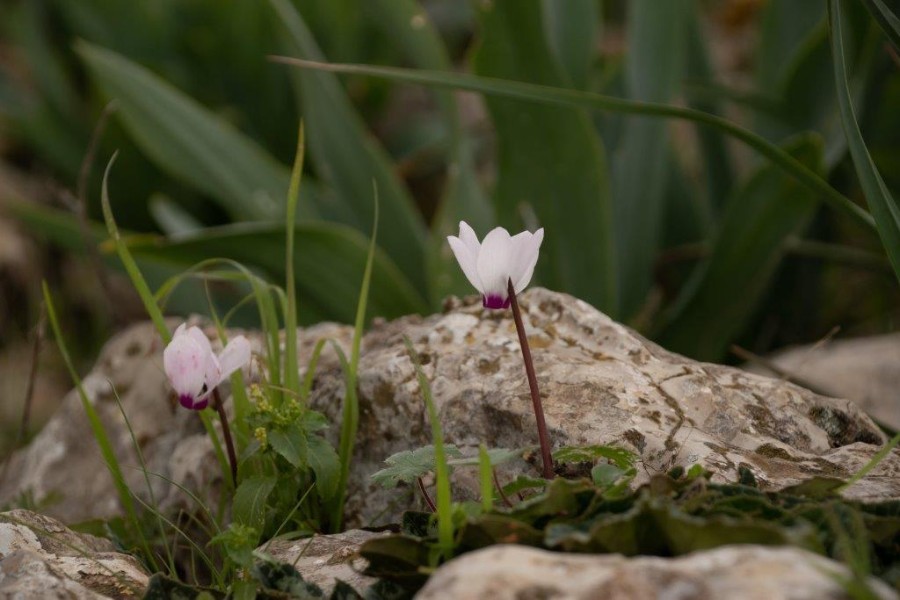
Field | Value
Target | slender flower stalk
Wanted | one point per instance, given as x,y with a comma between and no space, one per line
425,495
499,268
543,437
226,433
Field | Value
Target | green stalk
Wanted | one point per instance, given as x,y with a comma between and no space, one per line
441,470
574,98
350,418
291,374
97,428
485,475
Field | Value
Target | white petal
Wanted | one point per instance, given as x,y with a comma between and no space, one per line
529,251
467,260
494,262
468,237
200,337
181,330
235,355
184,361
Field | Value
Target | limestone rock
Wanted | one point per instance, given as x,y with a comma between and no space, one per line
601,384
325,558
733,572
865,370
40,558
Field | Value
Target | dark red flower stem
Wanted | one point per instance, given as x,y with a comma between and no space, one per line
500,489
425,495
532,384
226,433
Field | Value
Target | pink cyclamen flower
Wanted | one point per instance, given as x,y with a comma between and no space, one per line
193,368
491,264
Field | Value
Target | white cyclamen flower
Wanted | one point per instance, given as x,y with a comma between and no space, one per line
194,370
490,265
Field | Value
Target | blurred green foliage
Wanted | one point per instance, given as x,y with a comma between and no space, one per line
669,226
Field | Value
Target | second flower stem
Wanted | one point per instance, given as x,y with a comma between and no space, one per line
543,437
226,433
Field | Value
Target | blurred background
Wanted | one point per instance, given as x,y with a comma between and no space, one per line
674,229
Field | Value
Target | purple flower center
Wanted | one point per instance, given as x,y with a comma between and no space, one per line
190,403
494,301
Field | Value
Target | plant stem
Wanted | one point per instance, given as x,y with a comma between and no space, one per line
500,490
226,433
532,384
425,495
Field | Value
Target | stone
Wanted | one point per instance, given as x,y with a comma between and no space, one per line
322,559
601,383
735,572
865,370
41,558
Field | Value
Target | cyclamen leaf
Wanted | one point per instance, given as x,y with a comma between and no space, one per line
497,456
573,454
409,465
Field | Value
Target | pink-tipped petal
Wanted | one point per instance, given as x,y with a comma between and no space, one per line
467,260
235,355
185,361
494,262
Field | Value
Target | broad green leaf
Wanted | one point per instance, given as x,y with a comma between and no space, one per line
657,34
409,465
572,454
347,156
407,25
496,456
718,170
883,206
716,304
290,442
188,141
550,159
572,29
329,260
249,505
557,96
887,19
324,462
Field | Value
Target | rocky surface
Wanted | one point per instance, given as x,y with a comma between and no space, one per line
733,572
325,558
41,558
865,370
601,384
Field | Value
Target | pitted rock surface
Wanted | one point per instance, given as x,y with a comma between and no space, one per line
601,383
41,558
865,370
733,572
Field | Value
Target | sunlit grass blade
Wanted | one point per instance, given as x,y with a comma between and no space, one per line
350,420
551,162
134,273
97,428
725,289
653,67
565,97
441,470
485,476
291,374
341,147
883,206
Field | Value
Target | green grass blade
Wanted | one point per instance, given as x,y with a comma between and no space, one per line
291,375
546,94
342,148
311,369
653,68
97,428
331,260
134,273
188,141
350,420
887,20
725,290
572,29
550,159
485,476
883,206
873,462
441,470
